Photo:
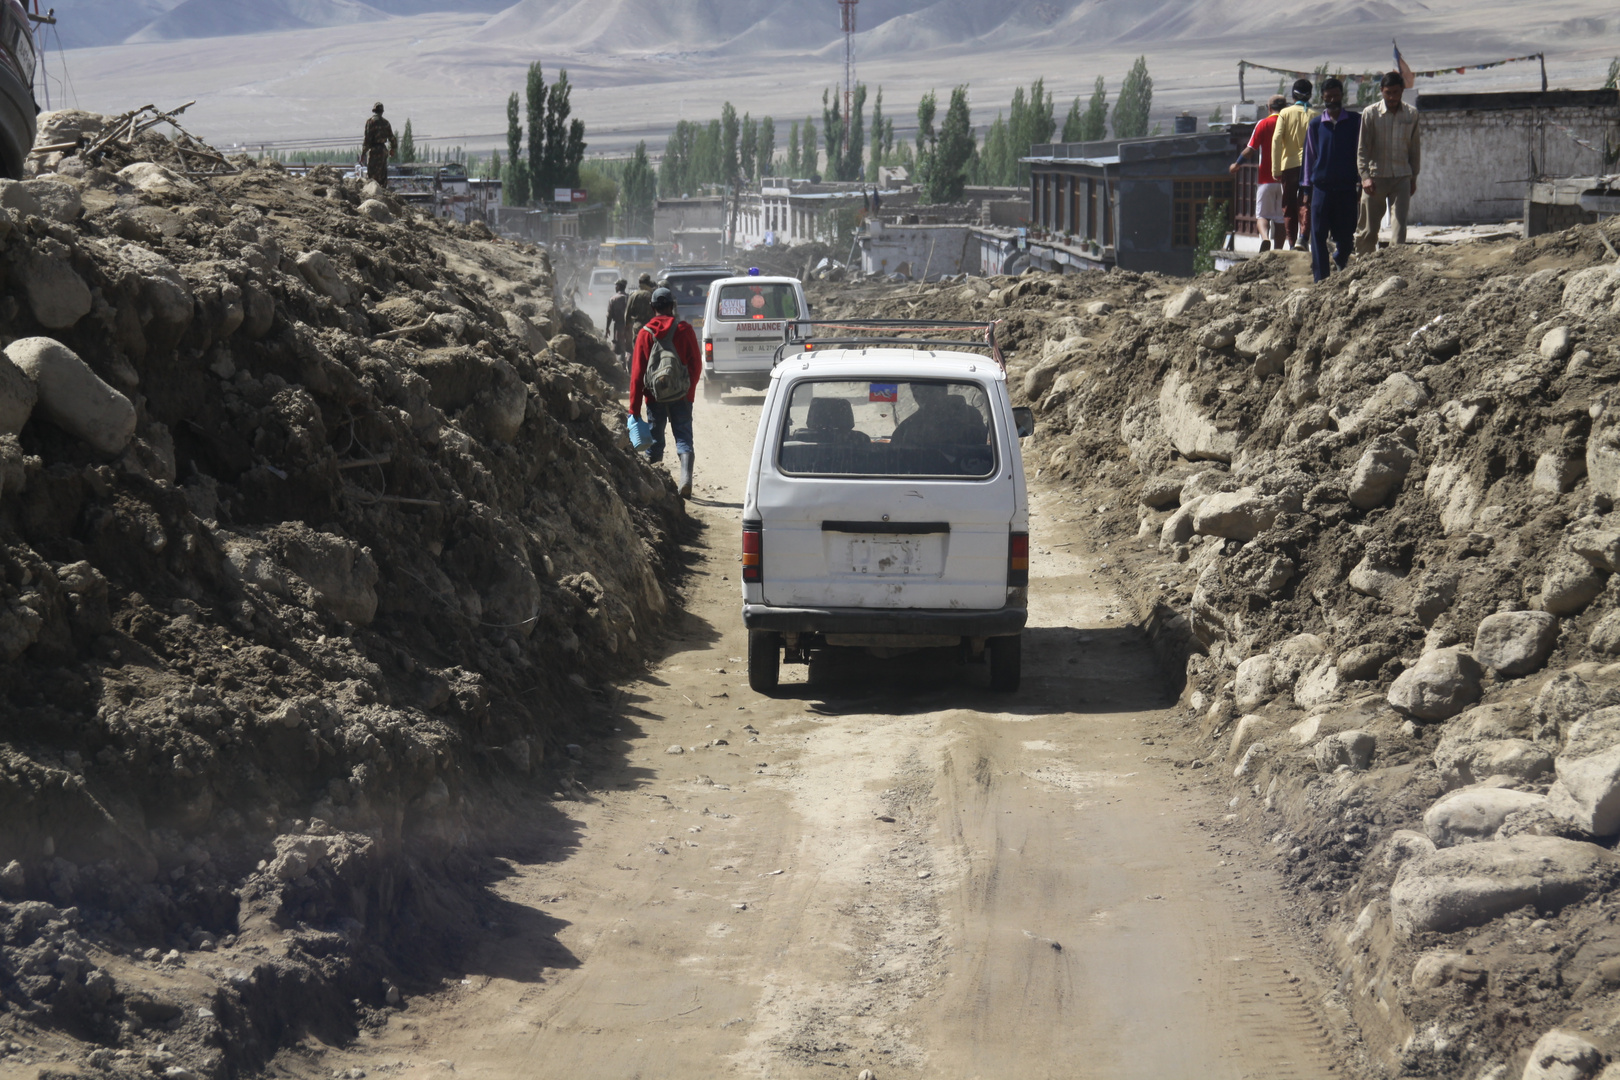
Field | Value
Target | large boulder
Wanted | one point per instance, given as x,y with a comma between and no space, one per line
1396,398
73,397
1571,583
1235,515
57,199
18,395
1189,428
163,290
324,278
1183,302
1592,292
1474,813
1515,642
1562,1055
1255,682
1598,545
1440,685
57,295
1350,749
1470,885
1603,451
1464,761
1586,794
1381,470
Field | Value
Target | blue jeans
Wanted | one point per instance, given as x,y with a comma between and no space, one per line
1333,216
678,415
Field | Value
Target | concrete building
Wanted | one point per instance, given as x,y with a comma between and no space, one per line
1554,205
1480,149
1131,203
680,215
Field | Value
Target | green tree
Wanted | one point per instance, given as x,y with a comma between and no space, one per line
730,133
996,160
855,146
766,152
515,184
809,161
748,147
832,133
1135,102
874,158
1613,81
492,171
575,154
1094,123
1212,230
946,171
637,191
540,185
560,167
599,185
1029,122
407,144
1072,122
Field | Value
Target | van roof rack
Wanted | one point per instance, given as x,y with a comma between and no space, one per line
887,332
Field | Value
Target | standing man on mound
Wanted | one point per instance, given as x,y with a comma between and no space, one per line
380,145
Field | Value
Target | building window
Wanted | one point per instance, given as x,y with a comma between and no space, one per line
1191,199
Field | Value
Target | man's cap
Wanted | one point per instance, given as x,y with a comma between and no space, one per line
663,298
377,107
644,279
1303,88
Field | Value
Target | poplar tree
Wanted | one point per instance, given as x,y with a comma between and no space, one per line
766,152
793,150
1135,102
407,144
730,133
748,146
539,175
809,160
515,185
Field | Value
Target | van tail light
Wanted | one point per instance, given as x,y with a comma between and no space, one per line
753,552
1017,560
708,349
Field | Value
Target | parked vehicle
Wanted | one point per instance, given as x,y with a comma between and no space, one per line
634,256
18,111
690,284
886,508
742,329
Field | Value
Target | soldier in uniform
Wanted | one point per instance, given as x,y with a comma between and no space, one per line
380,145
618,309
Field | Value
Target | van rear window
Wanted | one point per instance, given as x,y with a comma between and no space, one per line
888,428
741,303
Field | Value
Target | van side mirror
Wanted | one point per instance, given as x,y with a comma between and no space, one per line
1024,420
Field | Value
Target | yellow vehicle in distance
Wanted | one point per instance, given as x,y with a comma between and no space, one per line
633,255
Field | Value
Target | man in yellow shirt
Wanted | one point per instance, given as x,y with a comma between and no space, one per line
1288,158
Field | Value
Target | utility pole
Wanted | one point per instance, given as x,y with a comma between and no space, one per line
846,9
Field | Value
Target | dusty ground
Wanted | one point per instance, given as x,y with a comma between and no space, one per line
888,869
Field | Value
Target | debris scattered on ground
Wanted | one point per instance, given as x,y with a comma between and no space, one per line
317,527
1369,521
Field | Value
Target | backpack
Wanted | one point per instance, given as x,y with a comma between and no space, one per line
667,379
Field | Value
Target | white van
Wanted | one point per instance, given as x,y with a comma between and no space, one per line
886,510
742,327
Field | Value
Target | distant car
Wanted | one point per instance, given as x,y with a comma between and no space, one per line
886,509
742,327
690,284
18,111
599,288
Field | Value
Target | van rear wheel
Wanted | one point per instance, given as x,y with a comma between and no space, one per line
1006,663
764,660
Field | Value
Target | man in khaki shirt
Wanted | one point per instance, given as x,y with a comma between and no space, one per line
1287,159
1388,157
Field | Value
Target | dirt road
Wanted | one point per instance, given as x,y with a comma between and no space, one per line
889,869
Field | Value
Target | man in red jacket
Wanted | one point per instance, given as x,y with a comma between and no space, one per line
675,414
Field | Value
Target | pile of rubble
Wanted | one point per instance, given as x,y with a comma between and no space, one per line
1372,522
317,528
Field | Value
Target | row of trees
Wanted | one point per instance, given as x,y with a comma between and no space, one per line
723,151
556,144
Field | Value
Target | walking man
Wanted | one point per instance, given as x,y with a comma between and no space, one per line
1288,158
380,144
1332,142
664,373
1389,157
638,309
618,330
1268,192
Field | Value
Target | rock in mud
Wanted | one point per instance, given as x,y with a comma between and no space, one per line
1474,813
1435,969
57,295
1475,883
1562,1055
1380,471
1234,515
18,395
1598,545
377,211
57,200
324,278
72,396
1183,302
1364,661
1440,685
1515,643
1587,792
1350,749
1465,761
1571,584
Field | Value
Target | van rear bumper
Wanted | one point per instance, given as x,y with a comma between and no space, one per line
1002,622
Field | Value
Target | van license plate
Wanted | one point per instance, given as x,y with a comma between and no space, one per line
892,555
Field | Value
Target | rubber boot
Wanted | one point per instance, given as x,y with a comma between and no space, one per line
686,475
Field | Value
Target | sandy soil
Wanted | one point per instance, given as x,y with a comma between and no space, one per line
888,869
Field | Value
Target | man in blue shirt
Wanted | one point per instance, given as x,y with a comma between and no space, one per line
1334,177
